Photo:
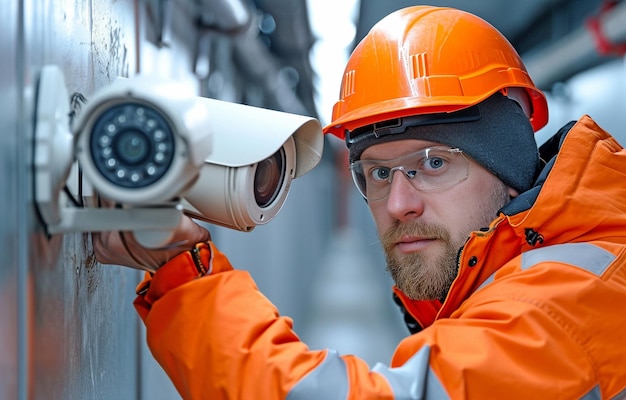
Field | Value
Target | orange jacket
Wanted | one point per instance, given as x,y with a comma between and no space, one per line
537,309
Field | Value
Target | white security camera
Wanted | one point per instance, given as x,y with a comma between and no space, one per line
157,151
142,142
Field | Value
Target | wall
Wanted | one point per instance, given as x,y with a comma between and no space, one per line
66,321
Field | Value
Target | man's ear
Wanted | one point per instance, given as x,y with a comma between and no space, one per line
512,192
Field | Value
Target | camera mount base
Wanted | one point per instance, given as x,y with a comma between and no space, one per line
52,157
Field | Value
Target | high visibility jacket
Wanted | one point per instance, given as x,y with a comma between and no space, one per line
538,309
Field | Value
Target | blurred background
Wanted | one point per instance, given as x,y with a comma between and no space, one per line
67,326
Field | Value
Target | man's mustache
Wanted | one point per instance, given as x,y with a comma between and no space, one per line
413,228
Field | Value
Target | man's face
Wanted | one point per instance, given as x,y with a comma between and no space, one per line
422,231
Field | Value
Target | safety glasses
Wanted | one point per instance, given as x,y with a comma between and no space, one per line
433,168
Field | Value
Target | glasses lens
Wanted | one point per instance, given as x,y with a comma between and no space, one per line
434,168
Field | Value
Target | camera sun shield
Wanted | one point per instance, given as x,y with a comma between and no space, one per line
245,135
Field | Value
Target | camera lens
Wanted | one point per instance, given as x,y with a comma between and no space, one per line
132,145
269,177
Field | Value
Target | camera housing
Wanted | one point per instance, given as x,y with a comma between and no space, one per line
256,155
250,195
144,151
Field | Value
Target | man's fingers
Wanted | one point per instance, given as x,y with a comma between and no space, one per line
121,248
191,231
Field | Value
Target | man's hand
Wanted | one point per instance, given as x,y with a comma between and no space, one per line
121,248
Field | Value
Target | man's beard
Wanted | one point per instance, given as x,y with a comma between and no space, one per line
421,276
428,276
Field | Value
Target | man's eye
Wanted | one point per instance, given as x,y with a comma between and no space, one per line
380,173
434,163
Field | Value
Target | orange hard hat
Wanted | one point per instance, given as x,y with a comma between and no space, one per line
424,60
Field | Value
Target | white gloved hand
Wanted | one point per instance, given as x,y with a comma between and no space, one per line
121,248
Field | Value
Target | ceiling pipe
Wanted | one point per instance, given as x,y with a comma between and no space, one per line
577,51
259,66
227,16
291,42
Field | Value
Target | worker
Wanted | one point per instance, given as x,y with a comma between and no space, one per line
508,260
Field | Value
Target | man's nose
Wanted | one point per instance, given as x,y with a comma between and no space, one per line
404,200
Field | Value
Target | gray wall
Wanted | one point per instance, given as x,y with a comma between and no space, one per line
67,327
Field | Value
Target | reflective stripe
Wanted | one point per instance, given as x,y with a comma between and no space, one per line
584,255
487,281
593,394
415,379
620,396
329,380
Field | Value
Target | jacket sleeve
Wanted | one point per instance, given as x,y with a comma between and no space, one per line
218,337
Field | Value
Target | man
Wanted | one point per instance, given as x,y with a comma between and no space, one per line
511,269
